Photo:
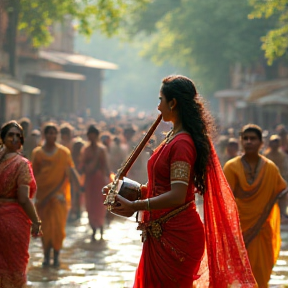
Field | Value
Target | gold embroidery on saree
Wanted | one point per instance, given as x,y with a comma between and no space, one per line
180,171
154,228
24,177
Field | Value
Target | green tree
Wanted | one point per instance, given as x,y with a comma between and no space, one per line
104,15
275,42
205,37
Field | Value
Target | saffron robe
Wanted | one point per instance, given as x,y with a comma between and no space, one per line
251,201
52,176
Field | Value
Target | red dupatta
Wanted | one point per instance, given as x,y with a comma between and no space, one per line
227,257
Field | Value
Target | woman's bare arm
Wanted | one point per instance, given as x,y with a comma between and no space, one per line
27,205
174,198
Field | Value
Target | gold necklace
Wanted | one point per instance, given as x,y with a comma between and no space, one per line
4,156
171,134
252,174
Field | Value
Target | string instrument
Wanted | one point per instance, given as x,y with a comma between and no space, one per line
121,184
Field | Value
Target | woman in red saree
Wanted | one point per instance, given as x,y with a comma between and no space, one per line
17,213
178,248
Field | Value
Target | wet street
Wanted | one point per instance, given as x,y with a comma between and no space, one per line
108,263
111,262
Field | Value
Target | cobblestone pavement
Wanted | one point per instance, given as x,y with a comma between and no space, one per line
111,262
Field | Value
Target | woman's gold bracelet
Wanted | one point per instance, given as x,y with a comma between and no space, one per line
39,222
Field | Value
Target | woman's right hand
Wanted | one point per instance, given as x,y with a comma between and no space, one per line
106,188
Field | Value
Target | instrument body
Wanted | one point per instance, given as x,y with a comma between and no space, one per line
130,189
122,185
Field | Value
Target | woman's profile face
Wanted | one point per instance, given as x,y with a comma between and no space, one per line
164,108
12,140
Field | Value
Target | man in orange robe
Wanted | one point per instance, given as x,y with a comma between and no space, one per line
256,182
52,164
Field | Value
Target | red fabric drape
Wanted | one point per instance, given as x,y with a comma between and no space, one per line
227,256
179,258
173,260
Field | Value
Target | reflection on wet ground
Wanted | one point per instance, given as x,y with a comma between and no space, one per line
279,277
108,263
111,262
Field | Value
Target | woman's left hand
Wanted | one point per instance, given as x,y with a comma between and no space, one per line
123,207
36,230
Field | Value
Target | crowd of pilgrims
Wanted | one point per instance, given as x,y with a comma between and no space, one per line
117,137
96,150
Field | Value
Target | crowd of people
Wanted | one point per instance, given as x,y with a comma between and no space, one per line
71,161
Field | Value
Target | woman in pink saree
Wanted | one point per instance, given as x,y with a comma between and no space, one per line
96,171
17,213
179,251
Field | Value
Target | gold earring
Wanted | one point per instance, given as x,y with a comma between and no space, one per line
171,108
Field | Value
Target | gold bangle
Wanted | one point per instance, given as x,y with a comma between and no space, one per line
139,192
39,222
148,204
135,203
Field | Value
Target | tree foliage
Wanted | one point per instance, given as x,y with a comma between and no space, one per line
36,16
205,37
275,42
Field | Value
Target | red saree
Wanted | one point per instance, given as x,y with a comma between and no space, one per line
15,224
176,259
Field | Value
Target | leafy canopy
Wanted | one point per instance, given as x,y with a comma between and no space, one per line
105,15
206,37
275,42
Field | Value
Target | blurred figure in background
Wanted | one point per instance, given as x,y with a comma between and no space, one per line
282,132
231,132
28,145
265,138
95,168
52,165
232,150
66,133
36,138
117,154
276,154
106,140
256,184
138,171
76,190
18,217
221,148
280,158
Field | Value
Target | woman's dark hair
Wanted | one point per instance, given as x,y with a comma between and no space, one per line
196,120
92,129
7,126
50,126
252,128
